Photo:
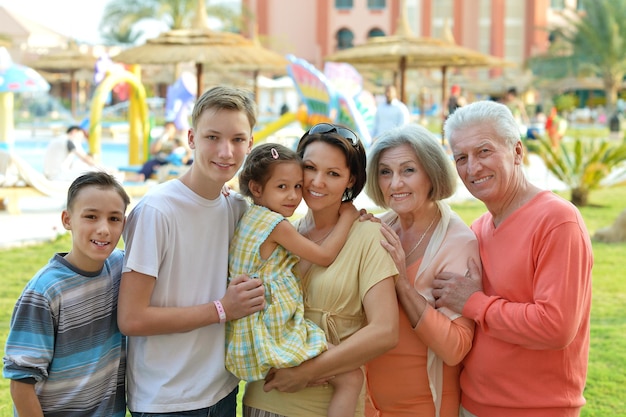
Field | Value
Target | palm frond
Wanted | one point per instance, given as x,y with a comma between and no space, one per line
175,14
594,41
583,164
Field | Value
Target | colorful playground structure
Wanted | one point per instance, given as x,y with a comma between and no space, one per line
335,96
139,124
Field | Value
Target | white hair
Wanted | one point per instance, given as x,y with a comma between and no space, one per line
485,112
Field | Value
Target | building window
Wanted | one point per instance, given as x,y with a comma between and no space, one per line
376,4
343,4
557,4
375,32
345,37
580,5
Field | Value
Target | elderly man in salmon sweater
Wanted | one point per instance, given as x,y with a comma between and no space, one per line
531,307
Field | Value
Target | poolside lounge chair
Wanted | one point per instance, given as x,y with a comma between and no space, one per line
19,179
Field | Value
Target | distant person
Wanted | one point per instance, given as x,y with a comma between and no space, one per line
65,355
65,158
537,127
517,108
169,148
160,147
532,303
391,113
267,245
556,126
455,100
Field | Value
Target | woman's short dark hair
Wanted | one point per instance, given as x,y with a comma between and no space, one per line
429,153
355,158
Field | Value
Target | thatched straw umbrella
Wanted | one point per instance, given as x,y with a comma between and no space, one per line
206,48
404,50
70,61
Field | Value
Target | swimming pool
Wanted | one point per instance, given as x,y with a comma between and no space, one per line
114,154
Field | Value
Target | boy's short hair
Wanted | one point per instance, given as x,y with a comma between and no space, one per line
100,179
224,97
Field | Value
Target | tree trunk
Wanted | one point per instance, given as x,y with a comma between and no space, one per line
580,196
611,86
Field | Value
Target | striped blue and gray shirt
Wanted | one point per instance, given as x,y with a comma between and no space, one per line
64,339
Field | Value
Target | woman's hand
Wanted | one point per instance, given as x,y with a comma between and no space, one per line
366,216
393,245
413,302
286,380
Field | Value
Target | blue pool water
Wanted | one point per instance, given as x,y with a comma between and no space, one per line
114,154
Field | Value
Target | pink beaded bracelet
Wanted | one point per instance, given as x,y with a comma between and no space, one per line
220,311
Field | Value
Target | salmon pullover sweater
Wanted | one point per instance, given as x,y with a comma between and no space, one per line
531,342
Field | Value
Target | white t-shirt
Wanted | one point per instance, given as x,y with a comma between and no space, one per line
181,239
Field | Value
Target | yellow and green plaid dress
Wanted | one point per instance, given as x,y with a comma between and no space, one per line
278,336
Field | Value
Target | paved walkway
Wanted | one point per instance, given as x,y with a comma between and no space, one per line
39,221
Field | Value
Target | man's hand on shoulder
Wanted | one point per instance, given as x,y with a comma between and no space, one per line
453,290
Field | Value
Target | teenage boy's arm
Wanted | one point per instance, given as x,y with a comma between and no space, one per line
136,317
25,399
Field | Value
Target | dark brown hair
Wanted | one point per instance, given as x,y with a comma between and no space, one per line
355,158
99,179
260,164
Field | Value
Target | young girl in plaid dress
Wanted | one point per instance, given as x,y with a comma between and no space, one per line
267,245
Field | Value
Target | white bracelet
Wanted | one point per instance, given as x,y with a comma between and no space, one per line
220,311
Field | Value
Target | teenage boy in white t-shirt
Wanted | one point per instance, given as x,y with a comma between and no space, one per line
174,298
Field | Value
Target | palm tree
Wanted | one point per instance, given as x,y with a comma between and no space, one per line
121,35
593,43
121,16
583,166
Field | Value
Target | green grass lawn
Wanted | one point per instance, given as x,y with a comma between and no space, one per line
606,382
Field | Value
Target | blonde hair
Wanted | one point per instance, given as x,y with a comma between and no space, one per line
224,97
429,153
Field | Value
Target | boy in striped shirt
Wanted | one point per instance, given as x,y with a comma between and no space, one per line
64,354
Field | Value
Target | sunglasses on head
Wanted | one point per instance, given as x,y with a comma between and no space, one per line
346,133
